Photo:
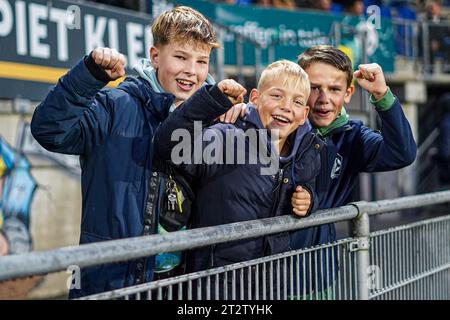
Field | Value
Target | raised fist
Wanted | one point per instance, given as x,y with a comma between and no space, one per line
111,61
371,78
233,90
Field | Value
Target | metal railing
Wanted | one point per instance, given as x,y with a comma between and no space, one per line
393,263
261,51
425,44
414,260
427,169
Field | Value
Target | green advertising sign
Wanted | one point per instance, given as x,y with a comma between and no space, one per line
292,31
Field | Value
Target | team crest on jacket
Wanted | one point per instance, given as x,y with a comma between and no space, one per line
337,166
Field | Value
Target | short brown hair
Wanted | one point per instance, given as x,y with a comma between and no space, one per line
329,55
183,24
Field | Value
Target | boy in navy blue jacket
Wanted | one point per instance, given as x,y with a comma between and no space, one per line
229,190
112,131
350,147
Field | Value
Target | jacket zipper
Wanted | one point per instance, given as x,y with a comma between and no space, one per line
307,147
280,187
148,215
274,205
280,176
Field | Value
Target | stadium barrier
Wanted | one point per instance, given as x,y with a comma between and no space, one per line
424,43
406,262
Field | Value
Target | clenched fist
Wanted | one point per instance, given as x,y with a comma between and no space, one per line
301,201
233,90
111,61
371,78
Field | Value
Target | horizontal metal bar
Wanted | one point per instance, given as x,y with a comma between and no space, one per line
410,226
417,201
402,21
239,266
210,272
36,263
427,143
410,280
157,285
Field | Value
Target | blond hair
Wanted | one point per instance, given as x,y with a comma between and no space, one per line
290,73
183,24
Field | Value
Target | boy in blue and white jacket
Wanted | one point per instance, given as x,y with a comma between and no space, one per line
112,131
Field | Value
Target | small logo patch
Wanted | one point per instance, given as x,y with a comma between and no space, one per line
337,166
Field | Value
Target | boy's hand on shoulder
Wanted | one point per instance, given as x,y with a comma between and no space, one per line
371,78
233,90
237,111
301,201
111,61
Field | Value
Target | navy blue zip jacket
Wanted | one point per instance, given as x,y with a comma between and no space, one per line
349,150
228,193
111,130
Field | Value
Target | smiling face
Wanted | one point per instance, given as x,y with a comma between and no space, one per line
329,92
280,106
181,68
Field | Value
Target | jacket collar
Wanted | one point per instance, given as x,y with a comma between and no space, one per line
252,116
340,121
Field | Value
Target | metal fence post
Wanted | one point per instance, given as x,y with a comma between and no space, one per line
220,55
336,29
426,48
258,61
240,58
361,245
270,53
